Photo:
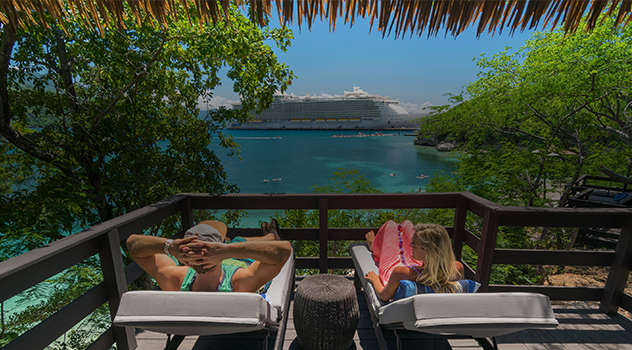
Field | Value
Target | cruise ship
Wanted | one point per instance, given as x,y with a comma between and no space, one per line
356,110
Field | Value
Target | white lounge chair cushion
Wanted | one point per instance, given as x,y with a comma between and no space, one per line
207,313
363,262
477,315
282,285
202,313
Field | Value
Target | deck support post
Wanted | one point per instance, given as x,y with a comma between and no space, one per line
460,216
619,270
323,233
486,248
115,284
186,215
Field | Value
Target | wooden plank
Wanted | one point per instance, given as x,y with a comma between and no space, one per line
299,234
574,331
581,326
469,272
553,292
332,263
393,201
619,271
133,272
486,249
253,201
115,285
186,214
310,200
28,269
552,257
561,217
323,233
626,302
308,234
583,193
47,331
472,241
104,341
459,230
478,205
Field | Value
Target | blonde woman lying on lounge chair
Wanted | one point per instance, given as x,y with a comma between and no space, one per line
210,264
421,254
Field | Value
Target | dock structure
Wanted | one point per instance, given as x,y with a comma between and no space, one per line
589,317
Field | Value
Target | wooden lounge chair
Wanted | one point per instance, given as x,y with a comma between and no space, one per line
210,313
476,315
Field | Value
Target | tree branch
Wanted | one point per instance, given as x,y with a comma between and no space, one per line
615,176
6,47
6,131
622,135
64,70
128,86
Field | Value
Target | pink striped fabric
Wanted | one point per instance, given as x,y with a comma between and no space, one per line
391,248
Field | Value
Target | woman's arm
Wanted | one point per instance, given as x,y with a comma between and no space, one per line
386,293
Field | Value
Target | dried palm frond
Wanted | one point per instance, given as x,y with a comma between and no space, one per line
392,16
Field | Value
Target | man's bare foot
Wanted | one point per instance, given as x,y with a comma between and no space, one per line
370,236
265,228
275,230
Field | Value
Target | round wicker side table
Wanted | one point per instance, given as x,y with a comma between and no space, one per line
326,312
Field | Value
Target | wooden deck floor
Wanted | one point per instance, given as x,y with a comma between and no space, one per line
582,326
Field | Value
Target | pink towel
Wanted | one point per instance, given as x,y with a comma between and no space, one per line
391,248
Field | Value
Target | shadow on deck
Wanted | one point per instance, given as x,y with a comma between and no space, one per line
582,326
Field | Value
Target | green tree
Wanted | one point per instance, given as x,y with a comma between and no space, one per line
118,117
540,117
93,126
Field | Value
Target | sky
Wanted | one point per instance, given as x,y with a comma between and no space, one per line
417,71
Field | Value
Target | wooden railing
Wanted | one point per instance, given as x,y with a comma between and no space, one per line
29,269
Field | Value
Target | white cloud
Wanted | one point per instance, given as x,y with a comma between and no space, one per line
415,109
215,102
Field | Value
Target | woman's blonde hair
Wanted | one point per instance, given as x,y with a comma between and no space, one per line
439,269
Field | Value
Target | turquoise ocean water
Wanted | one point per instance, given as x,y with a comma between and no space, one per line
304,158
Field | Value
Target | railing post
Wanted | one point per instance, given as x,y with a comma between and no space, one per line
186,214
486,249
115,284
460,216
323,233
619,270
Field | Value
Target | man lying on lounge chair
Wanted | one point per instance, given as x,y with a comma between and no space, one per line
210,265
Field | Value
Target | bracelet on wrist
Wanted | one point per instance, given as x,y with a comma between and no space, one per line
167,245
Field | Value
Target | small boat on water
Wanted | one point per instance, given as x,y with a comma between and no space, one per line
361,134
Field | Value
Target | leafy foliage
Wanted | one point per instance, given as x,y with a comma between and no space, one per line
117,117
93,126
539,118
535,120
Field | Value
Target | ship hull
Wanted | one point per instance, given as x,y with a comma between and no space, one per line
355,110
379,123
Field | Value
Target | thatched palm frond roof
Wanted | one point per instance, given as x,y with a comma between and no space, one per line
392,16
